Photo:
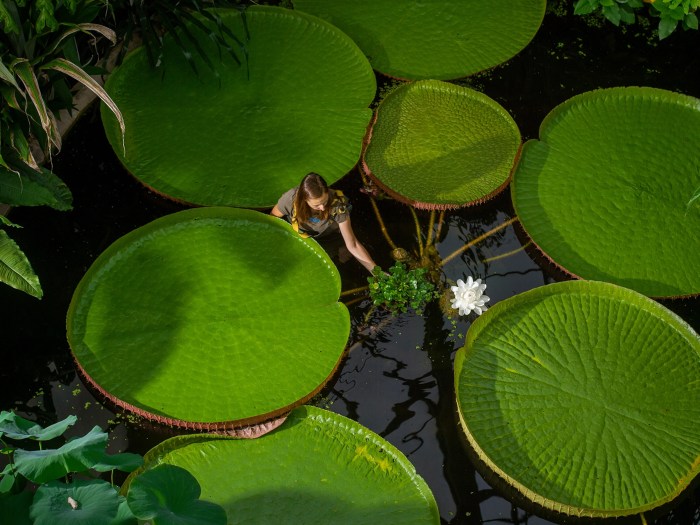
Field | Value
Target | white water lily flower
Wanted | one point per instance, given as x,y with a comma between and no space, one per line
469,296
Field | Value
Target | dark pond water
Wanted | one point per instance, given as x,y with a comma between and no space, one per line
398,381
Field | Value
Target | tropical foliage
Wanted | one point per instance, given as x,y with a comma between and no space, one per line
42,51
69,490
670,13
182,20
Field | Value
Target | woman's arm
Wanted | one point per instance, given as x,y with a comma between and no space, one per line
354,246
276,212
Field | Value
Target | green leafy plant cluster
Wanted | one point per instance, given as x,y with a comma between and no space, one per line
669,12
41,58
401,288
70,491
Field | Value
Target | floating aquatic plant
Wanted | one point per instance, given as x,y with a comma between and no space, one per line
436,145
605,192
243,134
440,39
584,397
153,314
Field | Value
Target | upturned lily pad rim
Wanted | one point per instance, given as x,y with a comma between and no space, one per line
427,205
247,427
501,476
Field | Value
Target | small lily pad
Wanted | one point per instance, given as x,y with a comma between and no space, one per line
438,145
584,396
318,467
209,318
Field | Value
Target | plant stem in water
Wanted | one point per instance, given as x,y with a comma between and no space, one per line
507,254
381,223
431,224
354,290
477,240
418,232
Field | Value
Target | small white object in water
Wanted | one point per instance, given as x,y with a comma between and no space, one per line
469,296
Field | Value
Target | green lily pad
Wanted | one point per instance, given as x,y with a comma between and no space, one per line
438,145
247,133
441,39
92,502
169,495
318,467
607,192
584,396
209,317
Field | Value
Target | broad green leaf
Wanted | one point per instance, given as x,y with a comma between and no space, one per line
169,495
8,477
126,462
440,39
7,76
584,396
25,72
318,467
209,315
16,427
124,515
437,145
244,134
609,171
32,187
74,71
667,25
81,502
14,508
41,466
15,269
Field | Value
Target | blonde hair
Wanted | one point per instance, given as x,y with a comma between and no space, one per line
312,186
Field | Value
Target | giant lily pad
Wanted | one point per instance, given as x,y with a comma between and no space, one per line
442,39
244,135
584,396
438,145
318,467
607,192
209,317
